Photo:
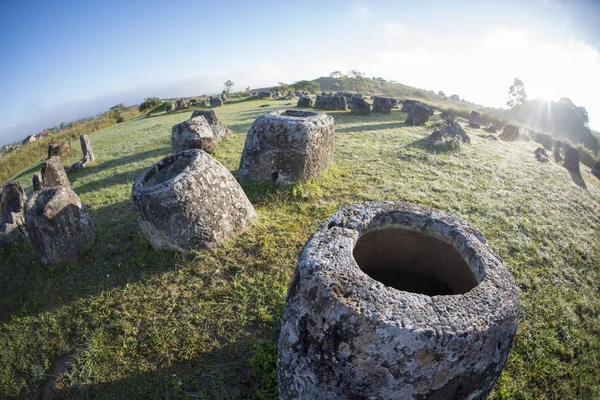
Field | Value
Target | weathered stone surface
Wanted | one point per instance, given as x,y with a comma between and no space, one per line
541,155
447,116
287,146
12,217
202,104
417,115
407,105
189,201
61,150
86,149
215,102
36,181
59,226
358,105
305,102
170,108
572,159
474,119
265,95
195,133
450,130
220,131
180,105
596,169
331,103
395,301
510,134
53,173
384,105
88,155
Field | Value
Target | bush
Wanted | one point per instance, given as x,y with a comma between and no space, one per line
544,139
586,156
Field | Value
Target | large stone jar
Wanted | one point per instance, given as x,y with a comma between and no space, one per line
59,226
189,201
287,146
395,301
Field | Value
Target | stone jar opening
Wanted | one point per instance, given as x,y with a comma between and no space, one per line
413,262
171,166
299,114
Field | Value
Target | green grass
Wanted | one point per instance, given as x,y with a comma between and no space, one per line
134,322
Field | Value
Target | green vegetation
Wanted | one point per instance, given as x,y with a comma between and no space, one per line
34,153
126,321
149,104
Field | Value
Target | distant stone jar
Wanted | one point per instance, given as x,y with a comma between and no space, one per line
54,174
194,133
384,105
305,102
395,301
189,201
220,131
59,226
418,115
287,146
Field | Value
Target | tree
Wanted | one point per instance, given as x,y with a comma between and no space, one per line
516,94
149,104
283,87
357,80
118,107
335,75
440,93
455,97
309,86
228,85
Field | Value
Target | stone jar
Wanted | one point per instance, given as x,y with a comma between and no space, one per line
189,201
287,146
59,226
12,217
395,301
195,133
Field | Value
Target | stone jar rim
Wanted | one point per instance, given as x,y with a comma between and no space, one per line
293,115
328,258
142,185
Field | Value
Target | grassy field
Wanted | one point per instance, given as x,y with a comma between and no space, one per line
130,322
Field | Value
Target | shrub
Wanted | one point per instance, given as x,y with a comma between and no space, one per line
544,139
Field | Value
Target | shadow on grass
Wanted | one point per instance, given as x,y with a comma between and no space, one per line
372,127
120,255
220,374
112,180
101,166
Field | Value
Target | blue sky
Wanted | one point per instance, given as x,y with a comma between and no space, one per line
63,60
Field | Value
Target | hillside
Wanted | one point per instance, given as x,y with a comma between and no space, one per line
130,322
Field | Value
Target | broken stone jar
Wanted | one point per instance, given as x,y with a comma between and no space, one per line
189,201
396,301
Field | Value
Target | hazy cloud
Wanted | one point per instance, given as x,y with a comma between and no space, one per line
394,29
360,9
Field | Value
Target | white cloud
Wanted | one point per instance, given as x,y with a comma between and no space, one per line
394,29
360,9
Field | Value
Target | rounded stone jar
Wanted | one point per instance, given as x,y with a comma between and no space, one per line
189,201
59,226
287,146
396,301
